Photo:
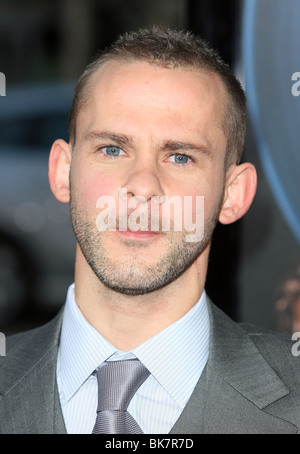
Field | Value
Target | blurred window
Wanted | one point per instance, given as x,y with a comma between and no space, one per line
35,131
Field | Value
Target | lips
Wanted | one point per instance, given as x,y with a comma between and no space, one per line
139,233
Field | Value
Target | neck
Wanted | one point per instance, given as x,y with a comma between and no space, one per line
127,321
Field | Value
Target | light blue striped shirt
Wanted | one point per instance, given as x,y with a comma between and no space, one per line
175,358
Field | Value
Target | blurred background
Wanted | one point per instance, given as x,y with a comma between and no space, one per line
254,270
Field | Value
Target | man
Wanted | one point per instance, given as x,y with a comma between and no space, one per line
156,118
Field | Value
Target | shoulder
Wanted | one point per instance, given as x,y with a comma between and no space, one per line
35,339
279,350
25,350
267,340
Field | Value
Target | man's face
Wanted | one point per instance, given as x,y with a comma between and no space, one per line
157,133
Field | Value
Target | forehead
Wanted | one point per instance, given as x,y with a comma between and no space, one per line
125,91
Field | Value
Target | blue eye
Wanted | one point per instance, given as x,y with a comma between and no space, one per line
112,150
180,158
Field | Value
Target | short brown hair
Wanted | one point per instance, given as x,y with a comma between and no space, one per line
172,49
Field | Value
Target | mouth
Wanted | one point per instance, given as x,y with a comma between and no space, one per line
140,234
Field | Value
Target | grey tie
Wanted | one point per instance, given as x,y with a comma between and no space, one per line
118,381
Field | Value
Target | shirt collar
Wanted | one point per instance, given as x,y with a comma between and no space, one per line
81,348
175,356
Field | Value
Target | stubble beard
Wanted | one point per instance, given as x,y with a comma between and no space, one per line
131,274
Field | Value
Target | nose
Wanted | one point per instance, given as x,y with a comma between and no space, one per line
143,182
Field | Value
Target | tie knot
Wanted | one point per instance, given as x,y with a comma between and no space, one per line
118,381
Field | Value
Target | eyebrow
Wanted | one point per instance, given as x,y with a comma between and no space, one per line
174,146
120,139
169,145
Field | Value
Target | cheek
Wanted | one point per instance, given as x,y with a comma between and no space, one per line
213,201
89,187
184,203
201,201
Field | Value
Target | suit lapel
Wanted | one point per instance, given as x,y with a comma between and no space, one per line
235,388
30,402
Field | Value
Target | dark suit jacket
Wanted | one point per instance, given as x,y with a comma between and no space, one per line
251,383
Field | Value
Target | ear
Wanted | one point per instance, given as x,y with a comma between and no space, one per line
59,169
240,188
